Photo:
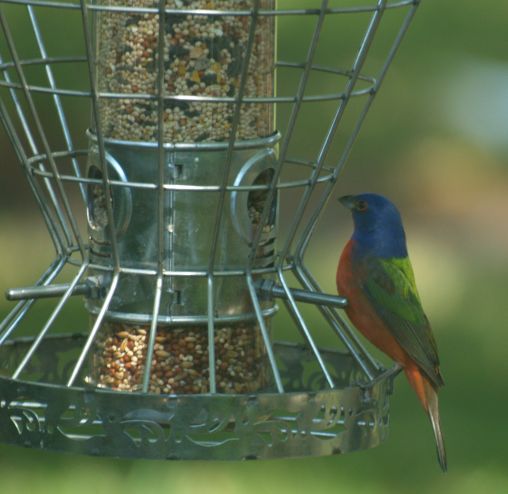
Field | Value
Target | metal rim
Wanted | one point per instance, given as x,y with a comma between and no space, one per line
327,173
313,98
220,13
165,321
260,142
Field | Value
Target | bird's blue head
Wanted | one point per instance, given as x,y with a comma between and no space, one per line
378,226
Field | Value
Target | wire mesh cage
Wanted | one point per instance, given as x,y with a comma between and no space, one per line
161,141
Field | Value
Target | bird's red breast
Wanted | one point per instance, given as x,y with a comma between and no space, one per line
360,310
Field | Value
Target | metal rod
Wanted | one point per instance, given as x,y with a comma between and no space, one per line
152,335
16,315
56,97
357,350
212,13
136,318
211,337
33,348
330,177
194,98
232,136
300,322
34,186
47,291
106,183
160,202
25,162
94,330
265,334
269,289
229,13
186,273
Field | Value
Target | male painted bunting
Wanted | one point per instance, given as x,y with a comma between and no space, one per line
375,275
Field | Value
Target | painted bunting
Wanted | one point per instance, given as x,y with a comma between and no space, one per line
375,275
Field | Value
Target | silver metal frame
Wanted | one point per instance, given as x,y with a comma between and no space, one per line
24,126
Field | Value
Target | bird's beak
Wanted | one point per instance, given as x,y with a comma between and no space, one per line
348,201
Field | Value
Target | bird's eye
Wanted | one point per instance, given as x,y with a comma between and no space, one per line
361,206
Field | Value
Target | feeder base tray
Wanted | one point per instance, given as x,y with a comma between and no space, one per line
307,420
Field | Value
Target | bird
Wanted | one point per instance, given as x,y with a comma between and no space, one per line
375,275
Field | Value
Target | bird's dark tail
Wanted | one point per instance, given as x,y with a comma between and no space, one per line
433,411
428,397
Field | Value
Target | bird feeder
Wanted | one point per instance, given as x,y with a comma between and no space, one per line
163,209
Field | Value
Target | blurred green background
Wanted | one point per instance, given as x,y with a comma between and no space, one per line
436,142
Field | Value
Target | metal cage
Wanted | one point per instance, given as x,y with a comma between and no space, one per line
164,219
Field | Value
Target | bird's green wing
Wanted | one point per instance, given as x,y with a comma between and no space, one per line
390,287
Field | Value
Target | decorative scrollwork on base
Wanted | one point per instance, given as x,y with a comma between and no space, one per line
305,421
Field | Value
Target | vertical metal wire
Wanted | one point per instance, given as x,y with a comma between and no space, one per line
29,354
264,333
211,335
106,183
93,333
273,188
16,315
42,134
232,136
300,323
160,199
152,334
34,186
366,362
53,230
357,66
289,132
56,98
223,190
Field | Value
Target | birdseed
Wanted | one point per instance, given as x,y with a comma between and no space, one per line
203,56
180,360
